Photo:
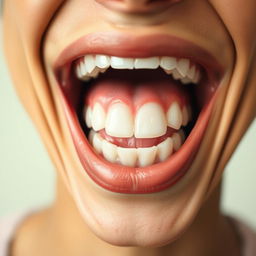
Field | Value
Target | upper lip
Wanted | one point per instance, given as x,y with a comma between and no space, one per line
127,45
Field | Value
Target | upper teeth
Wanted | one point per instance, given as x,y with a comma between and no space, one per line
90,66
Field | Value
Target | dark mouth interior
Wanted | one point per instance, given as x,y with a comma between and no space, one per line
76,90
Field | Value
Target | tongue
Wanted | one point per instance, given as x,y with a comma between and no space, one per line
135,88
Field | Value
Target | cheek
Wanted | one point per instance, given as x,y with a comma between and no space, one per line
239,19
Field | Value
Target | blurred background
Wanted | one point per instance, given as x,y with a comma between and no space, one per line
27,175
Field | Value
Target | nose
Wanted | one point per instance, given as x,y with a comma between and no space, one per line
137,6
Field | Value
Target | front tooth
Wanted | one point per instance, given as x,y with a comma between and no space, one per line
185,117
89,62
176,138
146,156
127,156
119,121
97,142
183,66
174,116
109,151
165,149
88,117
98,117
150,121
168,63
122,63
102,61
147,63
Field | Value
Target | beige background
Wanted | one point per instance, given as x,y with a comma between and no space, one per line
27,176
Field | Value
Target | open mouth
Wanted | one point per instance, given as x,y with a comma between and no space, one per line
137,113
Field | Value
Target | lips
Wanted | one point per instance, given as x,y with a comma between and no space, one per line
114,176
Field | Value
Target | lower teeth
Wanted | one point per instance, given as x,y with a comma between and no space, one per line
136,157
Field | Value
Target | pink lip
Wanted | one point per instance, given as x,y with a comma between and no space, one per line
153,178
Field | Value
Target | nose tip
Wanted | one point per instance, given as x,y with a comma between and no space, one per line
137,6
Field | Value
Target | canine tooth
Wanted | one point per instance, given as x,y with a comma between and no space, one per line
176,138
191,72
127,156
102,61
146,156
97,143
89,62
109,151
185,116
122,63
88,117
150,121
183,66
168,63
174,116
95,72
119,121
168,71
98,117
164,149
176,74
147,63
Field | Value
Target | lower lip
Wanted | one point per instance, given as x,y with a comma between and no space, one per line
123,179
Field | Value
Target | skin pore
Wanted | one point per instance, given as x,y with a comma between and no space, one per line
86,219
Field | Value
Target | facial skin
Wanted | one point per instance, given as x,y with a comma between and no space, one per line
34,42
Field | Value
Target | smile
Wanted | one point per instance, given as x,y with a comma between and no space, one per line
137,113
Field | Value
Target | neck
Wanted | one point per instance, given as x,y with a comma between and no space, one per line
67,234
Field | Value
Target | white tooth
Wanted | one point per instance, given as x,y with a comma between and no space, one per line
146,156
122,63
109,151
89,62
98,117
78,71
168,63
191,72
88,116
91,136
186,80
174,116
164,149
176,74
83,69
184,116
147,63
95,72
119,121
176,138
127,156
183,66
97,143
102,61
150,121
